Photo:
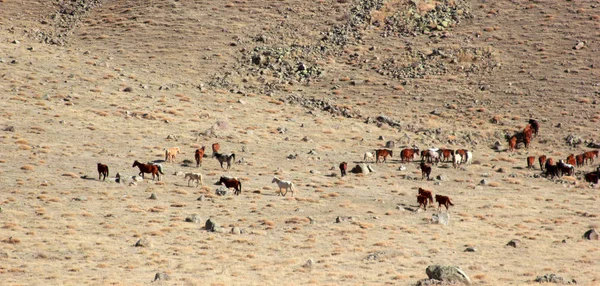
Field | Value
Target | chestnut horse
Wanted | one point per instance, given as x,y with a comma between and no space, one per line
542,160
343,168
422,200
407,155
231,183
579,160
463,154
592,177
102,171
589,155
199,155
447,154
382,153
530,162
443,200
535,126
215,147
427,194
148,168
571,160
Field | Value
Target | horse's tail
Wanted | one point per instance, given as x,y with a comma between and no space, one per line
166,154
107,171
449,202
240,185
160,170
233,156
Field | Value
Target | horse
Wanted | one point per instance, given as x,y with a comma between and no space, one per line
530,162
368,155
589,155
198,155
456,160
343,168
469,159
551,169
422,200
225,158
102,171
565,168
215,147
579,160
434,155
406,155
194,176
427,194
287,185
443,200
571,160
592,177
542,160
535,126
382,153
447,154
425,170
463,154
234,183
148,168
171,153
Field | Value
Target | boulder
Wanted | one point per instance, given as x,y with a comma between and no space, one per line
193,218
447,274
360,168
591,234
212,226
553,278
440,218
514,243
142,242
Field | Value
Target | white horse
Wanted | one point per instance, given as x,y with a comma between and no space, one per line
469,158
456,160
194,176
287,185
225,158
369,155
434,155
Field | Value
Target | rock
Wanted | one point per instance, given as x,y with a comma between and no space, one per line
402,168
142,242
470,249
360,168
137,178
484,182
553,278
441,178
579,46
381,137
390,144
128,89
9,129
16,42
306,139
447,274
340,219
161,276
501,170
514,243
221,191
171,137
236,230
309,264
193,218
152,196
440,218
591,234
212,226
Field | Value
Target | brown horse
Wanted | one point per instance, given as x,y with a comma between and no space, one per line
535,126
542,160
422,200
427,194
425,170
592,177
343,168
216,147
407,155
579,160
447,154
155,170
102,171
571,160
589,155
231,183
199,155
463,154
382,153
530,162
443,200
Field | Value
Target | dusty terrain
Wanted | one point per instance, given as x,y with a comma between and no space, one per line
118,81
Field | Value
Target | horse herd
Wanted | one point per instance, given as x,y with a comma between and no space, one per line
567,167
156,170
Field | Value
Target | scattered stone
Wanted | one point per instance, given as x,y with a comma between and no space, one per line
484,182
137,178
312,152
381,137
142,242
579,46
16,42
553,278
375,256
152,196
471,249
591,234
360,168
236,230
161,276
171,137
501,170
341,219
447,274
309,264
128,89
222,191
9,129
514,243
212,226
441,178
201,198
292,156
193,218
440,218
402,168
306,139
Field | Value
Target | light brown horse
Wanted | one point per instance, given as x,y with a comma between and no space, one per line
155,170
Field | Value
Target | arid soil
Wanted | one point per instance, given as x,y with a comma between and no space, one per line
294,88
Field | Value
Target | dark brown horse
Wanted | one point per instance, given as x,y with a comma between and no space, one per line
427,194
443,200
535,126
343,168
155,170
102,171
542,159
425,170
231,183
422,200
199,155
